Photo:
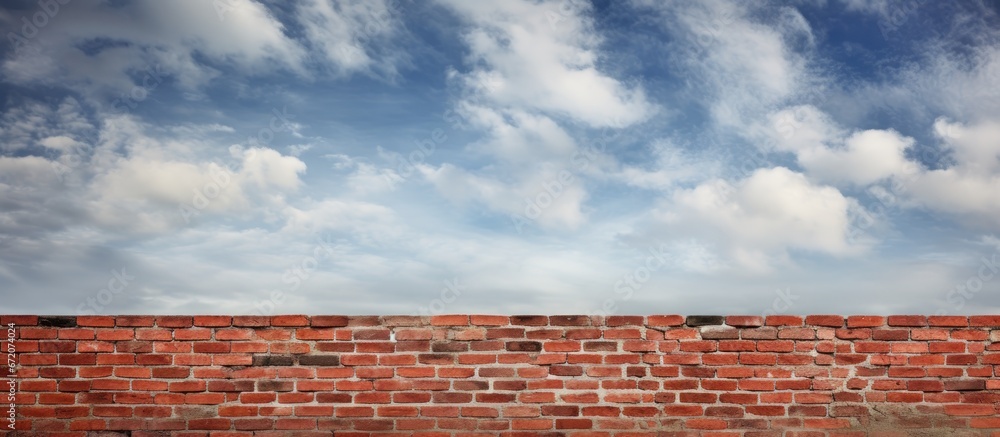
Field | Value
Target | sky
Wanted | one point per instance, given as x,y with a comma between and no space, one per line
499,157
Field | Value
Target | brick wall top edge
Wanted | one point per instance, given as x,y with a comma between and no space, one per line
655,320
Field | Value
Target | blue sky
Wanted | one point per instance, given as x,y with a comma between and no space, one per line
405,157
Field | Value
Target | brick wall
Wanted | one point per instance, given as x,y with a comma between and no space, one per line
460,375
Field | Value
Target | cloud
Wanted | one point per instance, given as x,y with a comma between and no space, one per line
353,36
670,166
543,56
129,176
756,221
110,49
548,196
747,59
103,46
830,155
34,124
967,189
532,70
517,136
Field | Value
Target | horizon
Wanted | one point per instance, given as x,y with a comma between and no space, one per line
515,157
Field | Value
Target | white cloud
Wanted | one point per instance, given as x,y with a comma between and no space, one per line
517,136
968,188
548,196
670,166
532,67
365,178
364,220
756,221
542,56
353,36
60,126
745,59
153,39
829,155
962,84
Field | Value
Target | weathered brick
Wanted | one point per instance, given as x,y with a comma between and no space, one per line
524,346
704,320
319,360
273,360
529,320
57,321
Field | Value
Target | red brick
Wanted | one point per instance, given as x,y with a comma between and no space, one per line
134,321
948,321
825,320
512,376
782,320
665,320
865,321
450,320
992,321
290,320
93,321
912,321
212,321
524,320
487,320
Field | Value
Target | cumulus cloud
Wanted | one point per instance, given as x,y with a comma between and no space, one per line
967,189
755,222
830,155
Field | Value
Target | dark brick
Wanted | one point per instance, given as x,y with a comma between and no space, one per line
524,346
529,320
272,385
705,320
272,360
319,360
57,321
965,385
600,346
436,359
449,346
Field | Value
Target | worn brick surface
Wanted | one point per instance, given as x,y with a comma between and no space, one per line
521,375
